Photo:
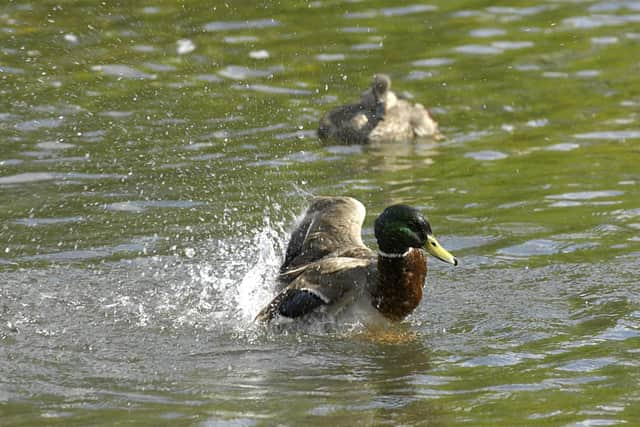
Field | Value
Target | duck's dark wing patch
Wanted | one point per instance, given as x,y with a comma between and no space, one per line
290,303
298,302
330,282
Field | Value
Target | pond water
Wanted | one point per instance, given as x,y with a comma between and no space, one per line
154,156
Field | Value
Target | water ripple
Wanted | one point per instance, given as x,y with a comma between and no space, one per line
123,71
259,54
367,46
487,32
37,124
486,155
138,245
251,131
240,39
407,10
11,162
615,135
161,68
596,21
34,222
494,48
54,145
585,195
240,25
392,11
587,73
4,69
604,40
592,422
612,6
493,360
555,75
564,146
587,365
507,45
520,11
533,248
239,72
620,332
420,75
29,177
273,89
432,62
209,78
327,57
137,206
479,49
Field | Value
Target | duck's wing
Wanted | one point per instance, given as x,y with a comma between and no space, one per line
351,123
338,123
330,224
331,283
359,252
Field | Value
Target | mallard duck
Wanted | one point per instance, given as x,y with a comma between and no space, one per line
328,270
379,116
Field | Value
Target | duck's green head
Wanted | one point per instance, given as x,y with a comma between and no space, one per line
401,227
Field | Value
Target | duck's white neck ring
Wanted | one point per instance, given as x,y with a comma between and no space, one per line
387,255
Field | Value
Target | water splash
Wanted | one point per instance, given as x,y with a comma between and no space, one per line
240,281
252,293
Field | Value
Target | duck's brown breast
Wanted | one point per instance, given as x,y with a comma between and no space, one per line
398,290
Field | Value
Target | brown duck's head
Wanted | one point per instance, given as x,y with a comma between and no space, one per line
380,85
401,227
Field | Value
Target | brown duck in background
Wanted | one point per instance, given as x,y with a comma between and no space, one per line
328,270
379,116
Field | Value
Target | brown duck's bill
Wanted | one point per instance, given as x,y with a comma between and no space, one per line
435,249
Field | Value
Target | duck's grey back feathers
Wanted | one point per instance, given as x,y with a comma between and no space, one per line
329,224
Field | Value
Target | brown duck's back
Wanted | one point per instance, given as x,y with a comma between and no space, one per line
404,121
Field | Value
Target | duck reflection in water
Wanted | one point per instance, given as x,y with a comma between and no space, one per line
380,115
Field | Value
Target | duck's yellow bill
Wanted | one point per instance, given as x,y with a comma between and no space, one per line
435,249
